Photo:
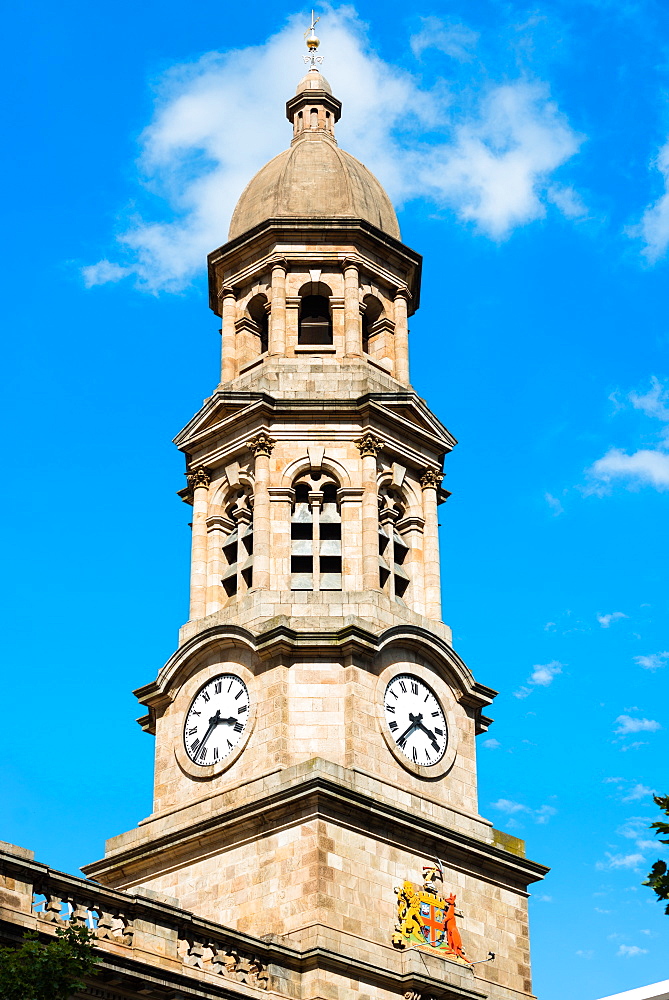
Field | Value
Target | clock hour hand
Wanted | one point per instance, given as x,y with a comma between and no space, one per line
430,735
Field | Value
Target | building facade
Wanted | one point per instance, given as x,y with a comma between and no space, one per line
315,828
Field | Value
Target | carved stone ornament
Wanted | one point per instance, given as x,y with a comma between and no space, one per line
198,476
431,479
369,444
261,444
426,919
224,961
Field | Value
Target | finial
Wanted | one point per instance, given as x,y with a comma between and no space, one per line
313,41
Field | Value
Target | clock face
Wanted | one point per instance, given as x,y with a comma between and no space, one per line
216,719
416,720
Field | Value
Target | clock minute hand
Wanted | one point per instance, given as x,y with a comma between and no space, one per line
401,740
213,722
430,735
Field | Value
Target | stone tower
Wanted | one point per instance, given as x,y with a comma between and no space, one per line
315,729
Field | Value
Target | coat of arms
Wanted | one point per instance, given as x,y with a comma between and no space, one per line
426,919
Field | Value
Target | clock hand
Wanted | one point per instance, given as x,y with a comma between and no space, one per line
213,722
401,740
429,734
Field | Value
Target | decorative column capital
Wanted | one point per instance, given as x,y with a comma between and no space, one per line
226,291
279,262
350,262
431,479
198,476
402,292
369,444
261,444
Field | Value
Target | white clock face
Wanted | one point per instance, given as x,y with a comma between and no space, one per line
416,720
216,719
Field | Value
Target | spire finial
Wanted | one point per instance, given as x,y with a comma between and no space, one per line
313,41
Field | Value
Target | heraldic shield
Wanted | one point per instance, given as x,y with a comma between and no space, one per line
425,919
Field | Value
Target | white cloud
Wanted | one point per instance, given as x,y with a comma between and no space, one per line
631,951
567,200
615,861
103,272
454,40
605,620
492,744
544,899
653,661
542,675
629,725
511,808
637,792
646,466
554,504
219,119
653,228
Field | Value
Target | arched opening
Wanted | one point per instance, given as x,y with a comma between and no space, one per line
315,533
257,310
315,321
393,548
238,546
314,118
373,312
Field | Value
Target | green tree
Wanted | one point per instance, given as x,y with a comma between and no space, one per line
658,876
49,971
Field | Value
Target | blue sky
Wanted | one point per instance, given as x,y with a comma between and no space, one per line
527,149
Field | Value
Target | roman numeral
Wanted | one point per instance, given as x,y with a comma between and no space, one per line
192,732
193,712
242,708
230,744
215,753
230,685
392,726
403,686
206,695
390,708
239,727
435,715
217,687
393,693
414,687
402,742
241,691
414,754
194,747
439,732
203,753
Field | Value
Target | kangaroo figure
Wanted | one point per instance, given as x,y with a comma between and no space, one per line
452,932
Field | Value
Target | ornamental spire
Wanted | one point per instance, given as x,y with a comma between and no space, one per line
313,41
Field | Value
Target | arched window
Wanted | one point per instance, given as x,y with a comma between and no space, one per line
373,312
314,118
258,312
315,320
238,546
393,549
315,532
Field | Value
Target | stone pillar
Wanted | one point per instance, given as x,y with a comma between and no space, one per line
430,481
350,504
198,481
228,333
402,297
281,498
412,528
261,446
215,536
352,320
370,446
277,316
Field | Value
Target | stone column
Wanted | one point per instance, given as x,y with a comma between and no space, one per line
216,526
261,446
277,316
352,321
412,528
281,498
198,481
228,334
370,446
402,297
350,503
430,481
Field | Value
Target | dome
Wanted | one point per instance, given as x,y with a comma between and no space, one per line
314,178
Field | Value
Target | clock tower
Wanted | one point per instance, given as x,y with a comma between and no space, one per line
315,764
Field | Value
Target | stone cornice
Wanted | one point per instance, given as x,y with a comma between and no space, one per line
313,793
233,258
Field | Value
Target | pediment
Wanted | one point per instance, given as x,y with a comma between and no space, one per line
214,413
